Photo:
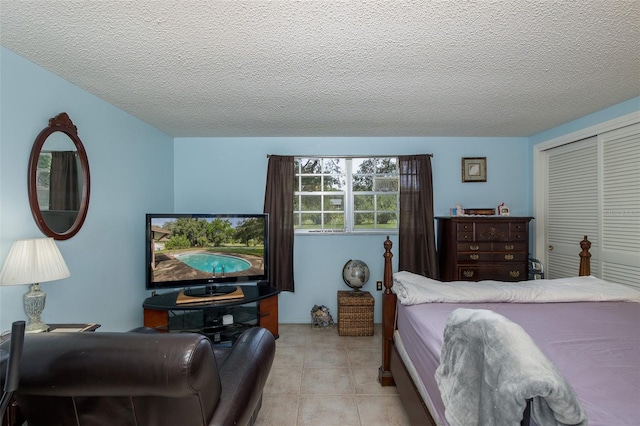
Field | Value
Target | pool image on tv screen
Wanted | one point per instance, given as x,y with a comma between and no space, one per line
191,250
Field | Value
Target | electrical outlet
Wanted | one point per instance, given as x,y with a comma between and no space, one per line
379,285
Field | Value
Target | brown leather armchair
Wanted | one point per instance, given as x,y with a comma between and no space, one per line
153,379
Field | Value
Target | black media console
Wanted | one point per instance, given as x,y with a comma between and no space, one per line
222,321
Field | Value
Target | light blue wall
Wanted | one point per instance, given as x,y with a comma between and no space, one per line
615,111
131,166
227,175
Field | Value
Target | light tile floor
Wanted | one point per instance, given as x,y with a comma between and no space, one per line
322,379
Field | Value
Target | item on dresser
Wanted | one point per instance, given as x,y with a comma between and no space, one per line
480,212
483,248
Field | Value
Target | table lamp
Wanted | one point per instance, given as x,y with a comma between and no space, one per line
32,262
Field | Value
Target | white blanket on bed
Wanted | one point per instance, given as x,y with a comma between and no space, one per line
413,289
490,367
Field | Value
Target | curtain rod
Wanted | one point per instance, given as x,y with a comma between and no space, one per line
351,156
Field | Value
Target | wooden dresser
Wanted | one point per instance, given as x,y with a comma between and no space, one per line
474,248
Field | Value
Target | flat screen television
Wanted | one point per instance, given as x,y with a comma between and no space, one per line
206,253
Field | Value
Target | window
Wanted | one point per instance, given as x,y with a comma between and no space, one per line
334,194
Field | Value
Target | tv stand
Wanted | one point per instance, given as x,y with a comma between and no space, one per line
210,290
258,307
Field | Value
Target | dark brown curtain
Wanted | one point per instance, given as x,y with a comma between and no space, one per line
416,239
278,202
64,193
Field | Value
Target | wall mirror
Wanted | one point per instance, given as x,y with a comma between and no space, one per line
59,179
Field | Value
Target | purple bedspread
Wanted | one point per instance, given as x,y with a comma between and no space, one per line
595,345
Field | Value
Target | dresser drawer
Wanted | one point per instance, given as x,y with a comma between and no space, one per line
491,257
519,227
509,247
516,272
492,231
475,257
509,257
464,236
518,236
474,247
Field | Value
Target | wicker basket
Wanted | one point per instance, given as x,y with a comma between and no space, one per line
355,313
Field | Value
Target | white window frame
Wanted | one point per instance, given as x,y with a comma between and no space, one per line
348,196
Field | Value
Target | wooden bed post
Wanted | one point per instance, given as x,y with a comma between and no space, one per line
388,317
585,258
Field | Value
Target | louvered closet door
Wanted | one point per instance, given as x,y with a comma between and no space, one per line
593,189
620,248
572,205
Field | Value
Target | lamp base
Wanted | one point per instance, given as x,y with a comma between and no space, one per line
36,327
34,301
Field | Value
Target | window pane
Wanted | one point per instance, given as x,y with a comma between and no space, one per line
387,203
310,202
296,203
385,184
334,202
387,166
311,183
334,221
310,165
333,183
362,183
387,220
363,220
363,165
363,202
333,166
311,220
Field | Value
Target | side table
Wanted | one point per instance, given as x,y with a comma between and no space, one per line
355,313
78,328
13,417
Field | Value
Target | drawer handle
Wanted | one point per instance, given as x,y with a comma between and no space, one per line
508,247
508,257
474,248
514,274
474,256
467,274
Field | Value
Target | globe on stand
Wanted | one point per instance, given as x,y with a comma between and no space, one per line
355,274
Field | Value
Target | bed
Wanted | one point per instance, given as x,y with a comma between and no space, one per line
593,341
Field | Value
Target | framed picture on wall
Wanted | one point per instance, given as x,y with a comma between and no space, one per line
474,169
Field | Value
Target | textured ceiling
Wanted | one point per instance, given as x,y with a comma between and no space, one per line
338,68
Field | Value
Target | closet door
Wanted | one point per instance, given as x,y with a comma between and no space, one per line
571,205
620,219
593,189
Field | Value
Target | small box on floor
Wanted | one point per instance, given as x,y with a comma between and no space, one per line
355,313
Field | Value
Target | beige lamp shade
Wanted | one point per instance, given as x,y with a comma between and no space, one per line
33,261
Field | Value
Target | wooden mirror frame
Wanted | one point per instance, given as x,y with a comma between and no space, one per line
59,123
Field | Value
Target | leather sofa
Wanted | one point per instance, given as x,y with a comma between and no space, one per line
142,378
